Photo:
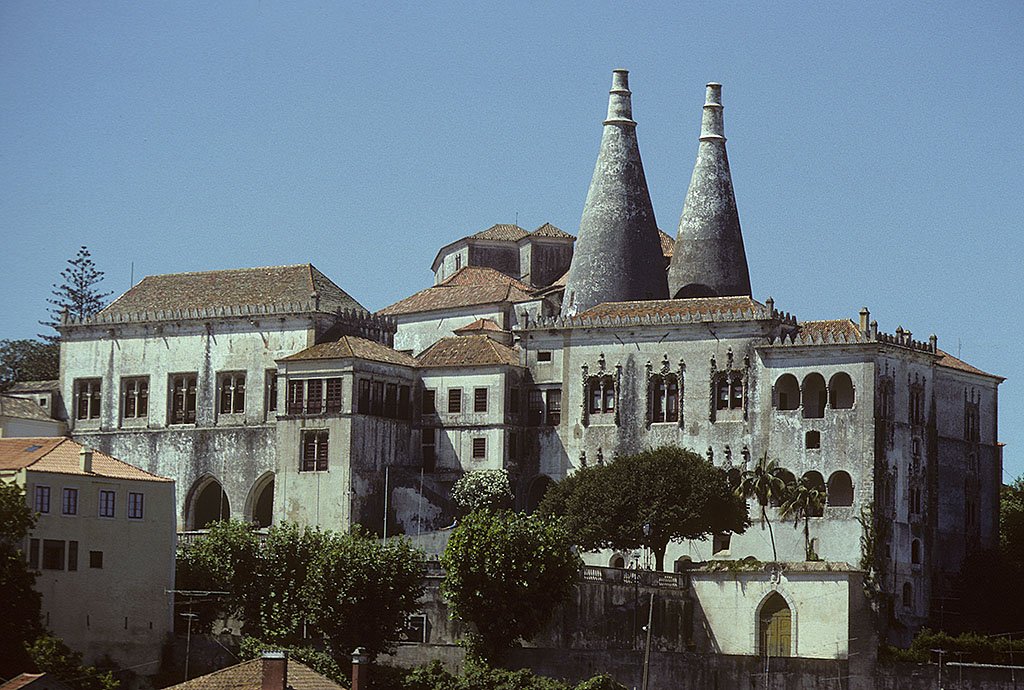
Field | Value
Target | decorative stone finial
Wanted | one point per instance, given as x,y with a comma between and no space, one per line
712,126
620,103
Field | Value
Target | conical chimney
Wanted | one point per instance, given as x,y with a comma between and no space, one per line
709,259
617,257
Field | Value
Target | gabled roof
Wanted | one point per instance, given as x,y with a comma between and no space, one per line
502,232
830,329
60,455
480,325
22,408
248,675
950,362
276,285
469,286
33,386
549,230
468,351
668,244
674,307
350,346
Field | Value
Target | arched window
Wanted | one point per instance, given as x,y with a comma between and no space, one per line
683,563
787,392
617,561
775,626
262,501
538,487
840,489
787,478
908,596
814,396
840,391
812,440
915,552
601,394
816,481
209,505
663,392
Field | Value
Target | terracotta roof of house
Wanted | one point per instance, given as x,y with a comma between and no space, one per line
60,455
668,244
469,286
949,361
33,386
501,231
480,325
278,285
248,675
829,329
22,408
468,350
350,346
549,230
673,307
35,681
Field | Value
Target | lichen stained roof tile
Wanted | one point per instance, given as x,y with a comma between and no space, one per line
549,230
278,285
22,408
469,286
61,456
673,307
830,329
950,362
350,346
481,325
468,350
503,232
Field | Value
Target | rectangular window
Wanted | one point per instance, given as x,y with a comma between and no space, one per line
479,399
72,555
69,502
183,399
42,499
296,397
33,554
87,399
95,559
232,393
334,395
513,401
513,445
454,400
536,407
314,396
135,398
314,450
377,399
364,396
544,356
404,405
271,388
107,504
429,446
479,448
53,554
134,505
916,405
554,407
391,400
429,401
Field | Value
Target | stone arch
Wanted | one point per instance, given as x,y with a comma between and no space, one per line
840,391
787,392
840,489
539,486
682,564
207,502
814,396
787,477
617,561
776,626
259,505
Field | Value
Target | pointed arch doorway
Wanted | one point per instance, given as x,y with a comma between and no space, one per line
775,627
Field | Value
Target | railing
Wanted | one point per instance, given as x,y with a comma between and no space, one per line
191,536
647,578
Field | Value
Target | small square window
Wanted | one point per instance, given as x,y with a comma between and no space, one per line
69,502
42,499
107,503
479,399
544,356
454,400
479,448
135,505
95,559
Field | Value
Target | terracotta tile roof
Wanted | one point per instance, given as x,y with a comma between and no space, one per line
668,243
673,307
34,681
22,408
468,350
501,231
248,675
480,325
350,346
33,386
278,285
469,286
949,361
549,230
60,455
830,329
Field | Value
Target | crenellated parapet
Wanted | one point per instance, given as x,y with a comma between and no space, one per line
846,332
659,315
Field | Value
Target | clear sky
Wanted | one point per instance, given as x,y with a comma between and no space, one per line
877,149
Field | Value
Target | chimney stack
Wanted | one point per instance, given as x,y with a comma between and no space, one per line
85,459
864,320
275,671
360,669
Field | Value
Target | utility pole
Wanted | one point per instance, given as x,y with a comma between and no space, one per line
191,594
647,644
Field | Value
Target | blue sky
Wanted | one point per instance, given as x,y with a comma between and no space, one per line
876,148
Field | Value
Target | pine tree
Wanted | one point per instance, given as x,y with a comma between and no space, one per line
77,294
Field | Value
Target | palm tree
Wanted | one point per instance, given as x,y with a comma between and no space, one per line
765,484
804,499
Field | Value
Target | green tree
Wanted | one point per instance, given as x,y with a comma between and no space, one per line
28,360
804,499
482,490
647,500
51,655
78,294
765,484
353,588
505,572
1011,523
19,603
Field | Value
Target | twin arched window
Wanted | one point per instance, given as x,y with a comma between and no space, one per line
601,394
663,397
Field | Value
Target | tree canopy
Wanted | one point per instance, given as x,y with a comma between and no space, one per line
20,603
646,500
353,588
78,293
765,483
505,572
28,360
482,490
